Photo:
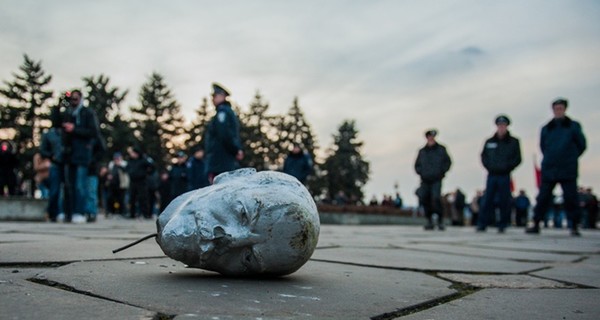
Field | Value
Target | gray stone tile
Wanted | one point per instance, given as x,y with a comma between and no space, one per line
22,299
531,304
503,281
509,254
317,289
420,260
585,273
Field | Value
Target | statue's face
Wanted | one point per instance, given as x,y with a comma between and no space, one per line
246,223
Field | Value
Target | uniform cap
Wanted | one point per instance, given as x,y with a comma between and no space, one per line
220,89
502,119
431,132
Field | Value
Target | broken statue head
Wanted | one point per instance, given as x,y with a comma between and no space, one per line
246,223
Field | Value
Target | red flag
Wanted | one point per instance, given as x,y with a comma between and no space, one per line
538,173
512,185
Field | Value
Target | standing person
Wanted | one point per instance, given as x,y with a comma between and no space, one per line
118,183
591,206
460,202
432,164
41,166
223,144
197,170
475,206
51,148
521,205
500,156
98,150
178,176
80,127
8,168
562,142
298,164
139,168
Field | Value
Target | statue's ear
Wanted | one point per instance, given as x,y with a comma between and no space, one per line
230,175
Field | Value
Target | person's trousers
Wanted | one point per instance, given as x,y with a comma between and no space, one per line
431,199
497,187
545,197
138,199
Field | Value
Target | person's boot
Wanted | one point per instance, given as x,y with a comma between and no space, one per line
429,225
575,231
534,230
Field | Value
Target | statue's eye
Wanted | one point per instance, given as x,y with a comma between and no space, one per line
248,259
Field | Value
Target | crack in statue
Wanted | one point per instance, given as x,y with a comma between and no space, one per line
246,223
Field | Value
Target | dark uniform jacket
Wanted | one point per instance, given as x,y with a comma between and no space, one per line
298,165
197,174
139,169
222,140
179,179
501,156
562,142
432,163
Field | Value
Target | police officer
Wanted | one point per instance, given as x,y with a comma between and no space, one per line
562,143
431,165
223,144
500,156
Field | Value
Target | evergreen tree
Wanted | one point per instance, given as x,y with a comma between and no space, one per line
259,150
106,103
121,136
23,108
294,129
345,168
158,120
197,128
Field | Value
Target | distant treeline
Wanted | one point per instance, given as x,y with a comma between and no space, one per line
156,124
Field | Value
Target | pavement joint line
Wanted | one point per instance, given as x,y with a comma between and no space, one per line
56,264
476,255
27,265
427,271
574,253
57,285
462,291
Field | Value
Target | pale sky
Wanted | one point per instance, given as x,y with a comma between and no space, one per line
396,67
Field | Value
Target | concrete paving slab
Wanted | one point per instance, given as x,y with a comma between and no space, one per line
420,260
552,241
586,273
321,290
510,254
66,249
22,299
531,304
503,281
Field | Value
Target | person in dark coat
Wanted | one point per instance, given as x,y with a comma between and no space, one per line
80,130
51,148
500,156
432,164
521,204
118,183
562,142
223,144
8,167
298,164
139,168
197,170
460,202
178,176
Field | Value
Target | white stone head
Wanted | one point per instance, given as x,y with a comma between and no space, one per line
246,223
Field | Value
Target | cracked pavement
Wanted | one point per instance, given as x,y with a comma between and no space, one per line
68,271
